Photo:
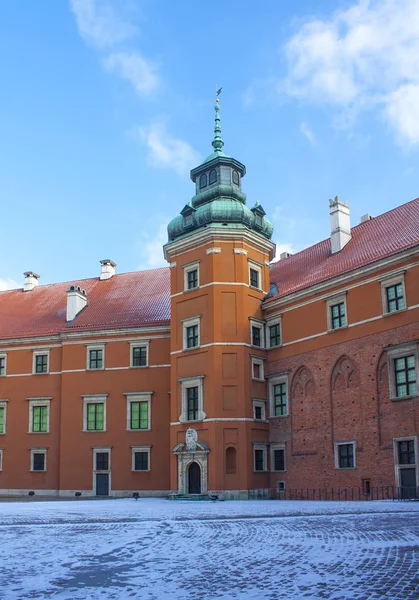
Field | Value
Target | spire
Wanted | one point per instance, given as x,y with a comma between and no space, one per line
217,142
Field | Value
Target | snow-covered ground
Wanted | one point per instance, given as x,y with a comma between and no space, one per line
254,550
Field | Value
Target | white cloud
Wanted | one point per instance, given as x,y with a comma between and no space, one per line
306,131
99,24
140,72
151,249
165,151
363,57
7,283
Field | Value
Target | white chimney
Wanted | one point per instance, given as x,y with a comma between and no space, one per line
76,301
340,224
284,255
366,217
31,280
108,269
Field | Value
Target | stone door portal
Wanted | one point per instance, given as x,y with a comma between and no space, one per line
194,478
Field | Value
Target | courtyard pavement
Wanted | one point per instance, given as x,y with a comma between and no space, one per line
256,550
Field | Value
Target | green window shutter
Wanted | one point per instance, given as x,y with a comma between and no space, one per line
36,424
143,415
99,416
135,415
91,416
44,418
2,419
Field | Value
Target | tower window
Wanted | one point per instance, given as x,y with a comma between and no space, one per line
235,178
212,176
203,181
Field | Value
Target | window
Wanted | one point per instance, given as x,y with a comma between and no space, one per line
345,455
138,411
259,457
191,276
38,460
39,409
257,368
203,181
212,176
256,333
280,486
3,405
255,276
40,362
139,354
277,457
1,459
403,370
336,312
3,364
191,332
280,401
192,399
102,461
393,294
231,461
95,357
141,458
274,334
94,418
235,178
259,411
406,452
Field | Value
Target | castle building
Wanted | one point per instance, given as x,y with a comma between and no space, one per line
222,372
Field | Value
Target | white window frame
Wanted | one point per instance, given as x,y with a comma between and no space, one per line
256,267
281,486
138,397
399,467
333,301
43,451
260,404
4,355
3,404
272,457
188,382
389,281
190,322
94,399
260,446
36,353
95,347
269,324
39,402
401,351
277,379
257,360
336,453
140,344
135,449
187,269
259,325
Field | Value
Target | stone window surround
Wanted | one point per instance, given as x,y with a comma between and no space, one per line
138,397
40,352
140,344
3,404
43,451
143,448
256,267
276,321
280,486
1,459
400,351
399,467
188,382
388,281
260,325
262,404
187,269
190,322
39,401
90,347
332,301
336,454
94,399
278,446
257,360
260,446
4,356
275,380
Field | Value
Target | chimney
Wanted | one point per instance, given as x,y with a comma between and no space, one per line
284,255
76,301
366,217
340,224
108,269
31,280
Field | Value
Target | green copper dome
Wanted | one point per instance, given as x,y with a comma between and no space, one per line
219,200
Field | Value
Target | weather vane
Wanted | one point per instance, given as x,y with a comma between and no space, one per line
218,92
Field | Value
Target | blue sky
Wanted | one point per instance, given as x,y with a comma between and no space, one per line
105,105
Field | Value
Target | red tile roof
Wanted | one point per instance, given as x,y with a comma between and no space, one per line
381,237
128,300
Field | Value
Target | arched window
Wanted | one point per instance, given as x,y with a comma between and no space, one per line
231,461
212,176
236,179
203,181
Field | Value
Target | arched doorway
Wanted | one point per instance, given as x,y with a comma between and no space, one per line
194,478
